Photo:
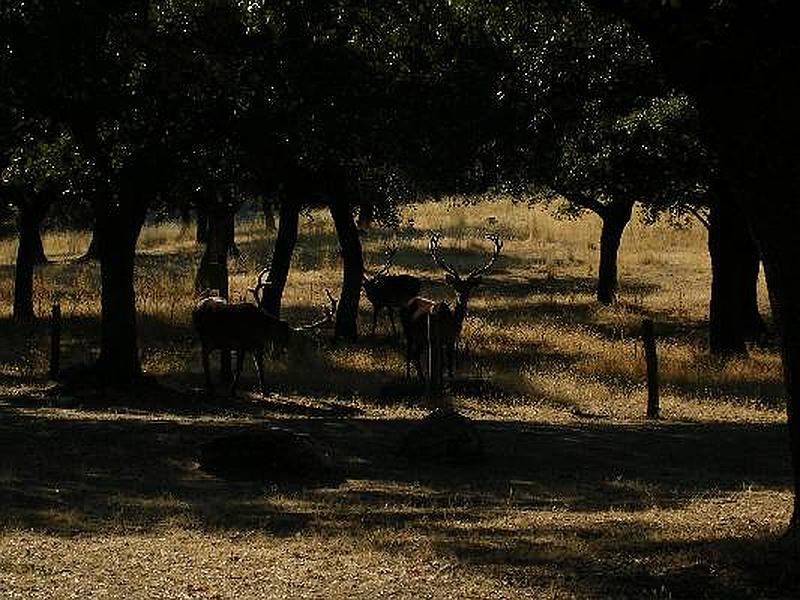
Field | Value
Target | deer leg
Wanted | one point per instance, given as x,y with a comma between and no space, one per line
238,373
207,370
418,364
391,318
374,319
258,358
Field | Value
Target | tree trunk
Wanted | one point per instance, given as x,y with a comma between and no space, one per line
201,236
615,218
116,233
366,214
39,255
282,255
212,274
269,214
353,266
92,252
780,252
31,215
733,313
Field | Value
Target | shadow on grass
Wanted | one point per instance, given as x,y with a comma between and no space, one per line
113,468
592,467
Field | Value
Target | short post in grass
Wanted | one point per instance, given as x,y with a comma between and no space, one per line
55,340
651,360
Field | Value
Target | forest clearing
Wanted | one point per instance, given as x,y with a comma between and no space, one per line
578,495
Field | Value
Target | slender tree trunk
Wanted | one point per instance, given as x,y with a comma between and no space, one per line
353,266
116,232
733,313
269,214
31,215
212,274
282,254
615,218
366,214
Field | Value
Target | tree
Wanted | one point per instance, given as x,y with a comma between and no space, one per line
649,155
42,169
736,60
103,84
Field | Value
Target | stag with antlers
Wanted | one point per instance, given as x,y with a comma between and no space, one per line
389,292
244,327
434,326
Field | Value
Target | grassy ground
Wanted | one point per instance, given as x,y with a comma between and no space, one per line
579,495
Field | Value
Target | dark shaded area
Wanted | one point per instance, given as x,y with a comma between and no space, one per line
95,467
271,455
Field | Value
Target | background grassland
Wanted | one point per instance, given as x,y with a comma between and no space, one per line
579,495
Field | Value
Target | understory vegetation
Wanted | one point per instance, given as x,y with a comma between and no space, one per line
579,495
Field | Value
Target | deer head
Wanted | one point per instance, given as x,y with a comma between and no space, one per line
464,286
258,290
390,254
328,319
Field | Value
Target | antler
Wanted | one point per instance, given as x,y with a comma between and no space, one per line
260,285
330,315
498,245
434,250
391,252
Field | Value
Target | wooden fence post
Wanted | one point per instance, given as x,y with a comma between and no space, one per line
55,340
651,359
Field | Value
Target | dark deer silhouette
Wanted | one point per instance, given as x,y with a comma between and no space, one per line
389,292
244,327
434,326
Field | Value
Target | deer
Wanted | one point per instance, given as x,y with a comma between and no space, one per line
244,327
389,292
436,326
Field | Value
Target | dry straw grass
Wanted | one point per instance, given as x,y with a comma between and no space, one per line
580,497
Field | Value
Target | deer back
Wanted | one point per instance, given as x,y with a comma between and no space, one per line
394,291
242,326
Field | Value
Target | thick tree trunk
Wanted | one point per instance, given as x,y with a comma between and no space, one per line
39,255
31,215
615,218
201,236
780,252
92,252
353,267
733,312
282,254
116,233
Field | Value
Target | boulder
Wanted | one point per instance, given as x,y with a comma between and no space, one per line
443,436
274,454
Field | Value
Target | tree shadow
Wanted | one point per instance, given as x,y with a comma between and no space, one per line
591,467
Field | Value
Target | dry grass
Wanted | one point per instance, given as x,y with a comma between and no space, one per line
579,496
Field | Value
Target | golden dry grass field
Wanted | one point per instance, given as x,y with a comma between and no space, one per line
579,495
